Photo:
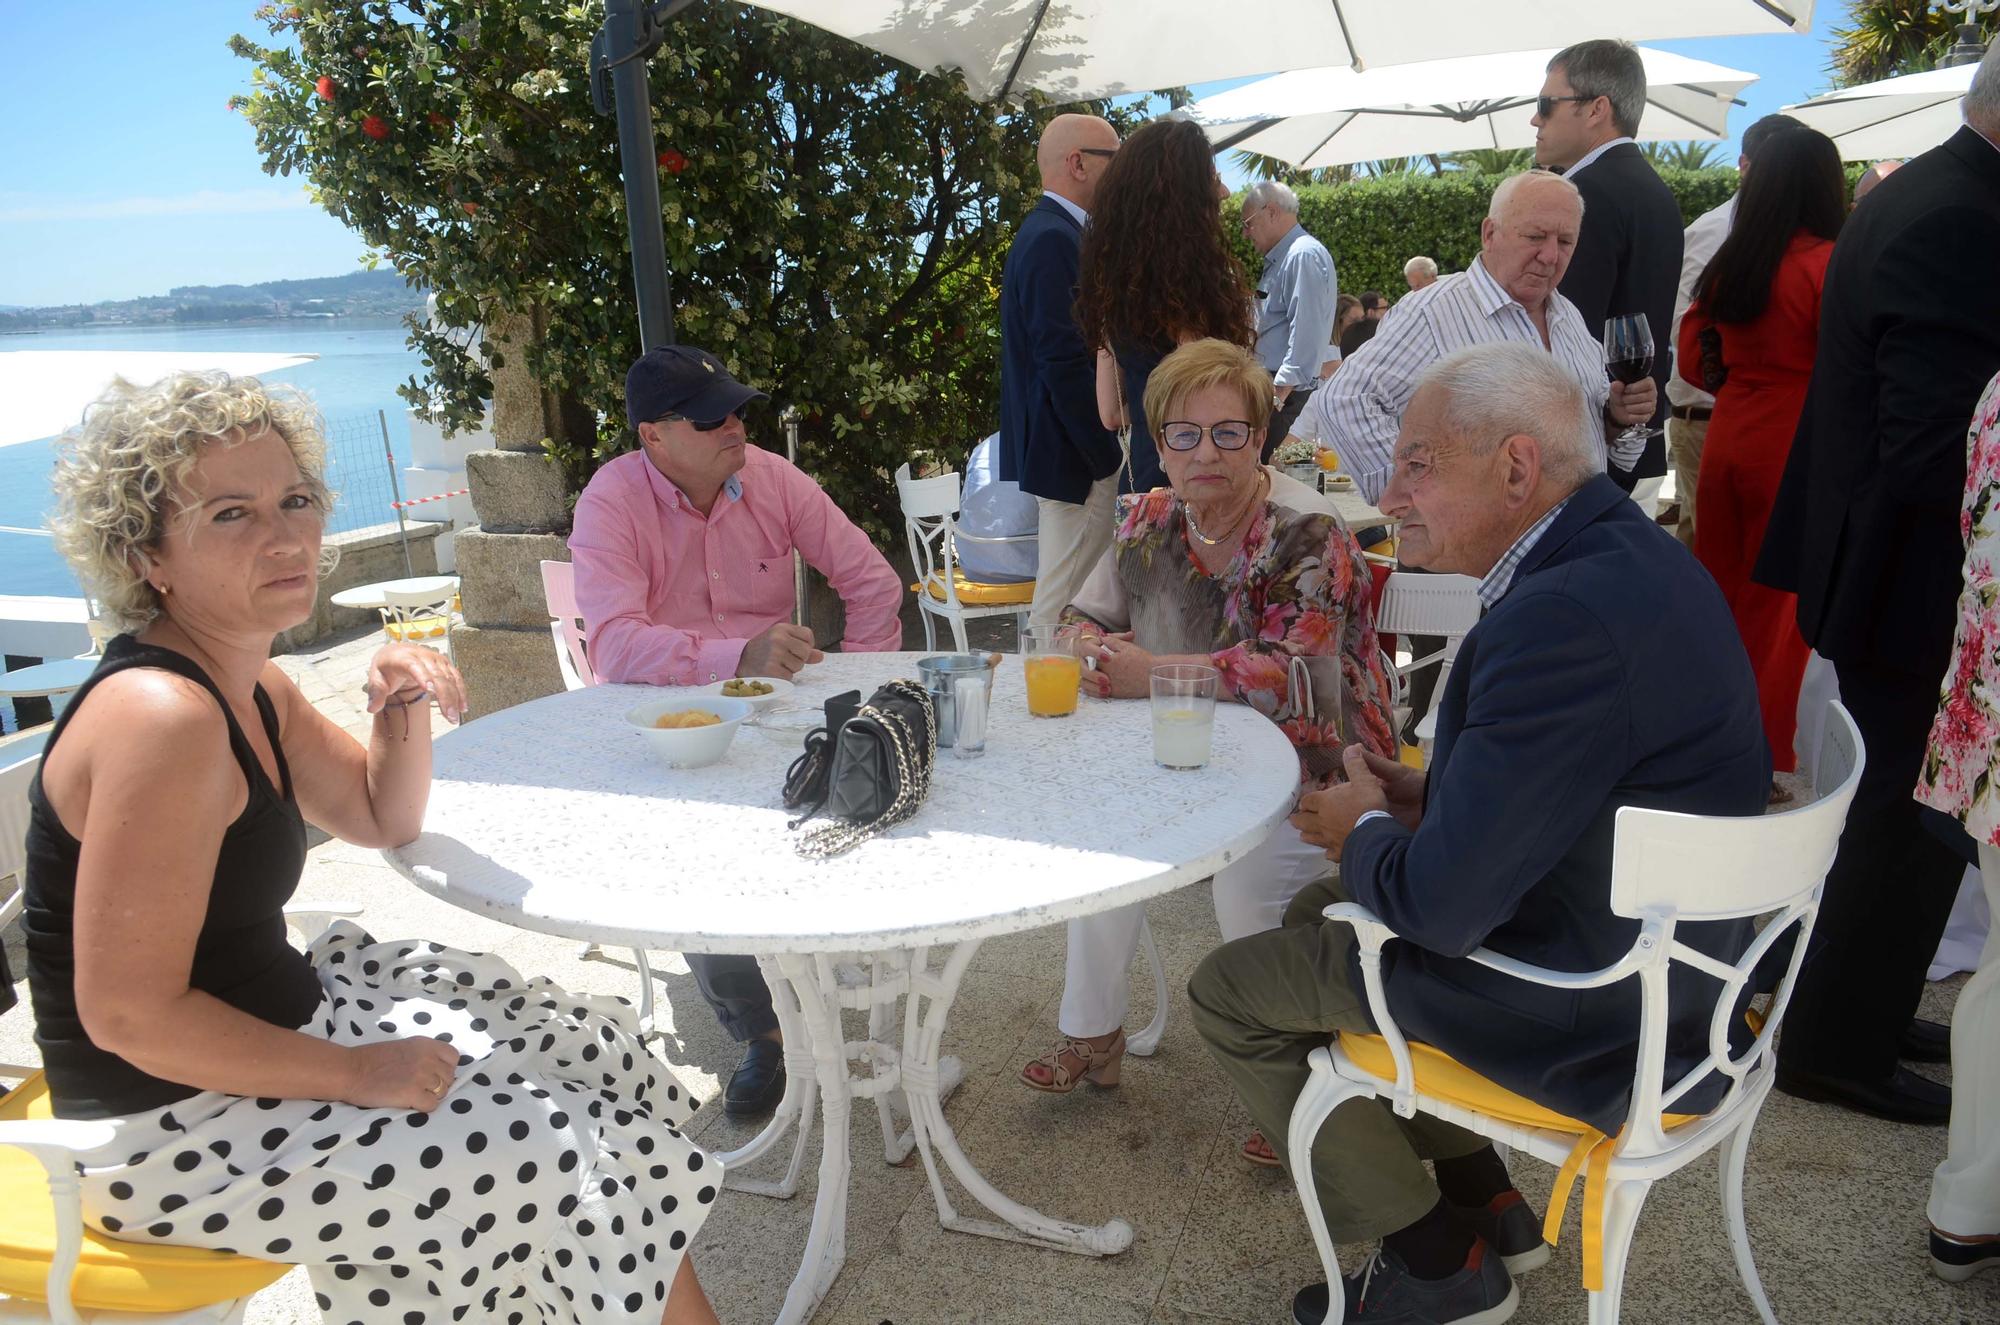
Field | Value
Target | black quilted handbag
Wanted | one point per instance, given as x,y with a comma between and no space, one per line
880,769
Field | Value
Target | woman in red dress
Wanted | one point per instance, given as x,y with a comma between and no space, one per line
1749,339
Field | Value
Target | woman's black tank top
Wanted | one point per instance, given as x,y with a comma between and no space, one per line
242,955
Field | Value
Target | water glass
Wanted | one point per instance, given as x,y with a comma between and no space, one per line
1053,672
971,698
1183,715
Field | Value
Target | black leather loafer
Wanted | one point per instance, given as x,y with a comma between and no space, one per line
1924,1041
1900,1097
758,1082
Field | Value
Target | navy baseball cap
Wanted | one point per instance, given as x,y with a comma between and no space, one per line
680,379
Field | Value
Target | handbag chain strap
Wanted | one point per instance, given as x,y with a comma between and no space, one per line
913,777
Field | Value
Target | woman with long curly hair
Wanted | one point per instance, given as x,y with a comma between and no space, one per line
1157,272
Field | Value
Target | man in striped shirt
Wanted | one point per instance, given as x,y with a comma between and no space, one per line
1508,293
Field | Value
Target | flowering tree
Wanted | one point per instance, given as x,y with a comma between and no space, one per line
834,221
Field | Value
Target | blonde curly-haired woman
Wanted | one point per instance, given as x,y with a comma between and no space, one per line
435,1136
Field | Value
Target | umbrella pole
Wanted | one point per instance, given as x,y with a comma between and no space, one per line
632,31
800,615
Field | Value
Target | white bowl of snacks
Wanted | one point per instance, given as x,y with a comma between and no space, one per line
689,730
761,691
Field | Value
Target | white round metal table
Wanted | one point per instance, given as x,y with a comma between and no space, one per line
371,595
59,677
553,816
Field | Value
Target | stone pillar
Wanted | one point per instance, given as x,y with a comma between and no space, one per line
504,647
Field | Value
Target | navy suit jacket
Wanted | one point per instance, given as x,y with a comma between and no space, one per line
1610,674
1051,440
1628,260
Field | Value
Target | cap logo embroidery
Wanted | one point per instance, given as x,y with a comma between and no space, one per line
709,366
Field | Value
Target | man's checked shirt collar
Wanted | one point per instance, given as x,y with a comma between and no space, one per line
1500,579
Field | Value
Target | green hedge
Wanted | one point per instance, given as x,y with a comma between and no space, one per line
1374,226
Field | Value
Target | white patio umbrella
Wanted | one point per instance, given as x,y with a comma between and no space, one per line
44,391
1330,117
1076,49
1894,117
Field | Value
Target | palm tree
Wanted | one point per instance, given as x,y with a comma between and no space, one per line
1492,160
1259,166
1393,165
1684,156
1890,37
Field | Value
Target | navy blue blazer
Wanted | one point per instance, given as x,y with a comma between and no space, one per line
1610,674
1052,441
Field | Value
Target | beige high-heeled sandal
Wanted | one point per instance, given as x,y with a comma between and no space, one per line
1073,1060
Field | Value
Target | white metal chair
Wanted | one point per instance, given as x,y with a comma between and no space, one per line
1666,868
14,779
930,520
1446,605
566,626
419,618
52,1267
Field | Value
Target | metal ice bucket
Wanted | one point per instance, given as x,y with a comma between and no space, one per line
940,675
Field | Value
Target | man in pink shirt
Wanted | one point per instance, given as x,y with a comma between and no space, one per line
683,553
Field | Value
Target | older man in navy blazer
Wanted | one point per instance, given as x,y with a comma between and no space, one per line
1051,440
1606,672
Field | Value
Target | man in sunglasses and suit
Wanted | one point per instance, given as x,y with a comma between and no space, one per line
683,554
1628,258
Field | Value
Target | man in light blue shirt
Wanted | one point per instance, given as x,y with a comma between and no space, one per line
1295,298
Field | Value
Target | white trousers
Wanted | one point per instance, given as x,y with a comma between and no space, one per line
1250,897
1965,1191
1069,542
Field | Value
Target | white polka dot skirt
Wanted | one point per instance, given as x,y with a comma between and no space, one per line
552,1184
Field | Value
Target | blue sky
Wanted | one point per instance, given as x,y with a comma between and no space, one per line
124,173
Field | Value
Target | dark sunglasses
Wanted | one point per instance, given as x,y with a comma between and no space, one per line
1228,435
700,426
1106,152
1546,106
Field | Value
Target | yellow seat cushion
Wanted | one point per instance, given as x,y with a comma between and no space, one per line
420,627
977,593
1443,1077
112,1275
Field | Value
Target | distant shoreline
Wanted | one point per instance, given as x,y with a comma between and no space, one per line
87,327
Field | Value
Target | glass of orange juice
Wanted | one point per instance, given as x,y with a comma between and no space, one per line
1329,459
1053,671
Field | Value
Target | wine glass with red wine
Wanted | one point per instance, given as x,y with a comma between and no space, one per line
1628,357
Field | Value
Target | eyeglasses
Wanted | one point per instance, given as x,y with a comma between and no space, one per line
1546,106
699,425
1228,435
1105,152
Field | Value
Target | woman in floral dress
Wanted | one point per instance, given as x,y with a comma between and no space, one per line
1961,778
1238,567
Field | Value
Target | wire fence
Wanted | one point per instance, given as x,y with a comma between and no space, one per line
361,468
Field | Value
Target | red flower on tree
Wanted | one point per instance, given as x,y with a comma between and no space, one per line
375,127
324,87
672,162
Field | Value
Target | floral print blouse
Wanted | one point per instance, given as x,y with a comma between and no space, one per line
1961,774
1297,588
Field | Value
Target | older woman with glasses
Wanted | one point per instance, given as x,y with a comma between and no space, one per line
1238,567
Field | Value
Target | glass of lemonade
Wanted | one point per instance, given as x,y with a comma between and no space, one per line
1183,714
1053,671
